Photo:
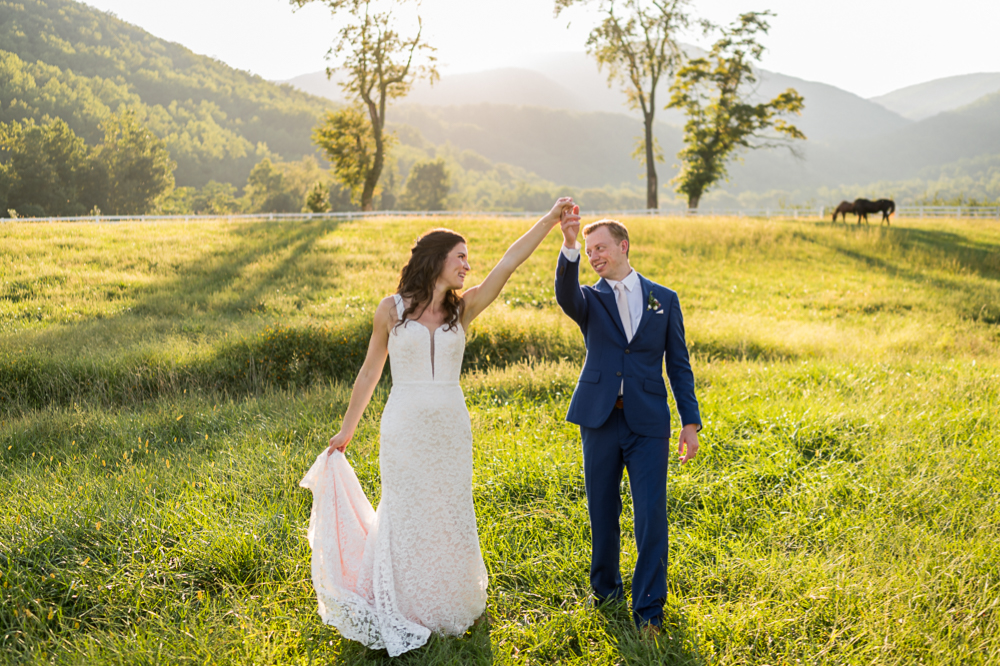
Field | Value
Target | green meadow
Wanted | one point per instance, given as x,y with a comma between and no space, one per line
163,388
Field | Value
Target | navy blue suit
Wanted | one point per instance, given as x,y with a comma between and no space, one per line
636,437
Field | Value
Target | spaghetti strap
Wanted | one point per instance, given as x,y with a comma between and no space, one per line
399,306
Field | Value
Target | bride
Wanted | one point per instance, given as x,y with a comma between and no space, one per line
388,578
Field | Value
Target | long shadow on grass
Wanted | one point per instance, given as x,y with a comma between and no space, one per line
214,283
197,286
982,259
971,303
231,286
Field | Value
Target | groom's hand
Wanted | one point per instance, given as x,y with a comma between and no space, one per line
687,445
569,222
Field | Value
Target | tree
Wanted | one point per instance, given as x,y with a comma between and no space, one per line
636,43
426,187
318,200
216,199
378,65
136,163
282,187
340,199
713,92
347,139
44,169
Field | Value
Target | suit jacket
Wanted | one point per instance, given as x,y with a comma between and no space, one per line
612,359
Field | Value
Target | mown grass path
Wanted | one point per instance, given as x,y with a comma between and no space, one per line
164,387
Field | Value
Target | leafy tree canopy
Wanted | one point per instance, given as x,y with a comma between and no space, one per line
136,165
347,139
721,119
45,170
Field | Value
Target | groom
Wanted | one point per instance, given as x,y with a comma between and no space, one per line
629,325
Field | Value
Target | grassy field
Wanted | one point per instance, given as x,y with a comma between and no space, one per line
164,387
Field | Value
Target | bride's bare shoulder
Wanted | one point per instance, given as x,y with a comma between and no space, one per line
385,313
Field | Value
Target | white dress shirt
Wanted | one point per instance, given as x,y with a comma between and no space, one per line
633,294
633,289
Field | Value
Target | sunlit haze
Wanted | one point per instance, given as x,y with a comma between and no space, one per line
868,47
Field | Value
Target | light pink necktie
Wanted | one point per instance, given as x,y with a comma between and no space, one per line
622,299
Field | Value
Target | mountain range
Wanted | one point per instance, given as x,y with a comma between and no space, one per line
519,114
572,82
552,118
933,97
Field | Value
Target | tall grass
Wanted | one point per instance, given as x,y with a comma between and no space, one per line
843,508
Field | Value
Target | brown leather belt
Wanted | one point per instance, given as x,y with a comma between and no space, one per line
619,404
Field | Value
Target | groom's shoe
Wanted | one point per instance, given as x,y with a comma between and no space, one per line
649,632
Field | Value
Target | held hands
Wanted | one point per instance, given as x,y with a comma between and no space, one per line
687,445
338,442
570,225
568,215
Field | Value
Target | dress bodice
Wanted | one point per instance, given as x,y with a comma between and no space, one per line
417,354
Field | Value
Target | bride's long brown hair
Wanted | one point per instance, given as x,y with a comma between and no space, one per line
417,280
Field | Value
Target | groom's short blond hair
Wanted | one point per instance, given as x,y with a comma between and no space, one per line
614,227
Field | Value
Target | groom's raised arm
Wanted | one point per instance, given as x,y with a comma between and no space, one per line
569,296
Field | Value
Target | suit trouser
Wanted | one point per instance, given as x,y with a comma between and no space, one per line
606,452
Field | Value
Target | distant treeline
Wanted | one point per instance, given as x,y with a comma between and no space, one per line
46,169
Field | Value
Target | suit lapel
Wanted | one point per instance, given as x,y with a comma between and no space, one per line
606,296
646,312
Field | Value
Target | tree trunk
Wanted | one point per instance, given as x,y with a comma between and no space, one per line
368,193
693,200
371,180
652,184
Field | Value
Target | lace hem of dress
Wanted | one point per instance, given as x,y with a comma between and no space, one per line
358,601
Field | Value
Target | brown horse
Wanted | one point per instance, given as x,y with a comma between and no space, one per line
885,206
843,209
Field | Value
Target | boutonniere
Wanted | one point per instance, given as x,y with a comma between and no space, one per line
652,303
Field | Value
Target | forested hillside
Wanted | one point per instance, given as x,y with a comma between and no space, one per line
67,60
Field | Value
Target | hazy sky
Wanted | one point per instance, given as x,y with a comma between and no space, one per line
868,47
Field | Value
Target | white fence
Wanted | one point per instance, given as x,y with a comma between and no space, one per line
821,212
986,212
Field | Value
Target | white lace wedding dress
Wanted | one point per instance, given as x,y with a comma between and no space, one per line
388,578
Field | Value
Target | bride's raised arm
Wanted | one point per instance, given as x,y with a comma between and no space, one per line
479,297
